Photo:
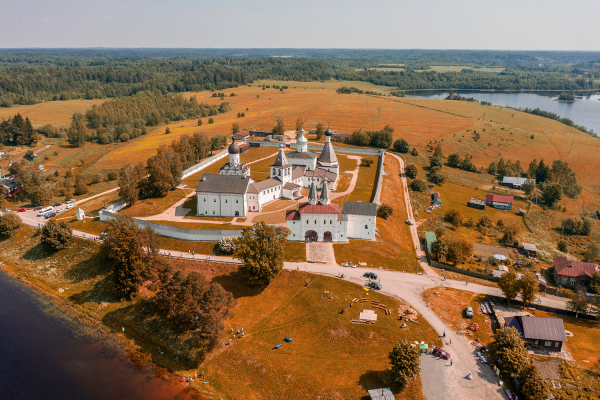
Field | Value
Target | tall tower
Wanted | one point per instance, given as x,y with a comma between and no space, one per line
234,154
325,198
281,168
302,143
312,194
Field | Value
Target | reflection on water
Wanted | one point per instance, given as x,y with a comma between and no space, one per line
44,354
585,111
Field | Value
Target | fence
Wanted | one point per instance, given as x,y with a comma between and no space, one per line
378,180
540,307
465,272
204,163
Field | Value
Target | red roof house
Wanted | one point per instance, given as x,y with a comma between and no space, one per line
572,273
499,201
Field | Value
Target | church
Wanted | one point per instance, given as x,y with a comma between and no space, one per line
233,192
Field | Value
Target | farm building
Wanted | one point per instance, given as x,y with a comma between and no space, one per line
474,203
241,135
572,273
529,249
260,134
381,394
437,198
430,239
9,186
499,201
502,269
244,147
341,137
547,333
522,212
514,182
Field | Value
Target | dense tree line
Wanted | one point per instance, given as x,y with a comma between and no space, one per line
556,117
17,131
379,139
352,89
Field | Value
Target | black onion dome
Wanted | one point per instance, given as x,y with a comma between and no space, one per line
233,148
328,132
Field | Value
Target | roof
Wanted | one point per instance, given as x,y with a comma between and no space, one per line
242,133
360,208
216,183
515,180
529,246
292,215
430,237
328,154
566,267
381,394
332,208
233,148
257,187
290,186
298,171
498,198
543,328
281,160
341,135
322,173
477,201
436,194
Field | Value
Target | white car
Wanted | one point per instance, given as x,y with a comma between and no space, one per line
60,210
69,206
409,222
70,201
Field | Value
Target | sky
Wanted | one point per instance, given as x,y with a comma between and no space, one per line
381,24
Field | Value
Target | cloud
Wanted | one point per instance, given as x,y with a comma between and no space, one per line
107,18
47,19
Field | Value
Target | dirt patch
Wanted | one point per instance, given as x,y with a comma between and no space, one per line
549,369
407,312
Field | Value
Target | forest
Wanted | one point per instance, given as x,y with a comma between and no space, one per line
33,76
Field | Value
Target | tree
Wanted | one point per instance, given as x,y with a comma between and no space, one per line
454,216
454,160
122,246
200,122
562,246
411,171
129,180
436,176
76,133
112,175
509,284
459,250
160,178
279,128
261,247
167,131
9,223
528,187
594,283
39,195
551,193
320,130
510,232
401,146
529,287
406,363
414,152
384,211
55,235
359,138
438,152
235,128
299,125
439,249
435,162
211,121
592,252
532,171
418,185
543,173
2,200
80,185
533,385
382,139
509,348
578,303
217,142
493,168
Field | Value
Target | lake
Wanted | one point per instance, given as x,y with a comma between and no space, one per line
45,354
585,111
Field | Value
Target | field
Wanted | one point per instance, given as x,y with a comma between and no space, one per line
393,248
57,113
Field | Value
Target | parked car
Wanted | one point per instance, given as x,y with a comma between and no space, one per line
370,275
469,312
38,208
440,353
6,210
375,285
57,204
70,201
69,206
409,222
60,210
21,210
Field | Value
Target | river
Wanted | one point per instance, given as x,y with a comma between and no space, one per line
45,354
585,111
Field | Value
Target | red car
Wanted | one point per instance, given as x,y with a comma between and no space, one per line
21,210
38,208
440,353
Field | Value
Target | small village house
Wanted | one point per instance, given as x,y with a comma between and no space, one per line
572,273
241,135
515,182
381,394
530,250
437,198
475,203
498,201
537,332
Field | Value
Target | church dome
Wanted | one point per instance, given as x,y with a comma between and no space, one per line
302,139
328,132
233,148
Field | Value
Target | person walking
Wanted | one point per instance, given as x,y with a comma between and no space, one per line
450,362
450,340
123,329
444,335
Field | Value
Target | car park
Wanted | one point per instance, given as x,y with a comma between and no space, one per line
409,222
21,210
440,353
370,275
70,201
469,312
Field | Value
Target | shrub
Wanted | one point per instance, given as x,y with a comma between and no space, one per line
411,171
366,162
199,122
167,131
562,246
96,178
470,223
112,175
414,152
56,235
418,185
227,245
405,359
384,211
401,146
211,121
485,221
9,223
454,216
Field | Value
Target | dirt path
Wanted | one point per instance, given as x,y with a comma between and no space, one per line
320,252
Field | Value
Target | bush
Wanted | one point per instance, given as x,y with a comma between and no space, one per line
579,226
411,171
9,223
414,152
455,217
55,235
199,122
485,221
384,211
401,146
418,186
112,175
211,121
366,162
562,246
96,178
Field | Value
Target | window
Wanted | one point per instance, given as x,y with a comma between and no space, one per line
213,213
547,343
556,344
225,200
315,221
205,212
214,200
204,199
573,281
563,280
293,223
236,202
537,342
330,222
307,221
366,226
324,222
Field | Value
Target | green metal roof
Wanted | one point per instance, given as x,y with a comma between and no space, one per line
430,237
